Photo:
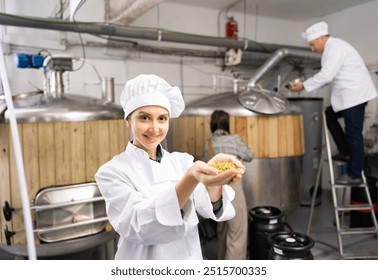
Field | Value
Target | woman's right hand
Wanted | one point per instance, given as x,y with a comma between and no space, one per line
211,177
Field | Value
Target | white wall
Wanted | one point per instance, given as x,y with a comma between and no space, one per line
358,26
193,75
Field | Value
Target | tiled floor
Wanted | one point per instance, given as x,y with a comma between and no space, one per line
322,231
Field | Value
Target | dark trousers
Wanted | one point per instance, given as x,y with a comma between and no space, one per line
349,141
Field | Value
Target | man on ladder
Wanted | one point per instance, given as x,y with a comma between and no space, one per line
352,88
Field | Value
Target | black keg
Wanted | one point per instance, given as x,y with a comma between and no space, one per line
363,218
290,246
263,220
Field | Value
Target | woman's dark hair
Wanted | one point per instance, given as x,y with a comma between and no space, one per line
220,120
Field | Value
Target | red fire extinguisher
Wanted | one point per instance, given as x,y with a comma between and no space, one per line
231,28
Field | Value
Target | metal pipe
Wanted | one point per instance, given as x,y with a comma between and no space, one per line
19,160
107,89
276,58
137,33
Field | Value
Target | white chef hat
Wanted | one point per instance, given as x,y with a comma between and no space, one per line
145,90
315,31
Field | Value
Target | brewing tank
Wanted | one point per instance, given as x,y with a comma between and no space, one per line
312,118
274,176
64,141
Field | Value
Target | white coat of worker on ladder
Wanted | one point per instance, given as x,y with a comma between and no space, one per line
352,88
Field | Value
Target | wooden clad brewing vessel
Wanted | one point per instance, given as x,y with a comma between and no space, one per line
268,136
274,176
55,154
58,152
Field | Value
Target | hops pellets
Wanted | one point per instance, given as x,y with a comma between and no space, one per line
223,166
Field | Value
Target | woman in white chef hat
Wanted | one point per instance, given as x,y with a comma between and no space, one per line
151,195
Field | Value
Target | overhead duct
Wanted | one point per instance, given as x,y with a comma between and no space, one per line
110,29
276,58
127,11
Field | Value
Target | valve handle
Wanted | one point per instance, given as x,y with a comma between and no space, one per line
8,234
7,211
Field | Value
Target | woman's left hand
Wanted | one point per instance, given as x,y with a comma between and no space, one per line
211,177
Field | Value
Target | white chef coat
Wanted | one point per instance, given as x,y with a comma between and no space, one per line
343,66
142,205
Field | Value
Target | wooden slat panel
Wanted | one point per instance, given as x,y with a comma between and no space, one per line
241,128
282,135
272,137
190,138
5,187
207,121
30,149
175,138
268,136
199,138
299,136
262,128
114,138
46,146
232,125
179,135
62,153
31,156
91,151
290,127
77,150
125,135
122,136
253,135
17,223
184,134
104,142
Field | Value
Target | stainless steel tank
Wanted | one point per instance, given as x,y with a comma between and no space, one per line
65,139
312,118
274,177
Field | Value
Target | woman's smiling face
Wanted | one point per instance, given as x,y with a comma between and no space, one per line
149,125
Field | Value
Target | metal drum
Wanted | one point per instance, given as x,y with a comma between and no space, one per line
290,246
263,220
274,177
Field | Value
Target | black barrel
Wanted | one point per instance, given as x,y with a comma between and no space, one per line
290,246
363,218
264,220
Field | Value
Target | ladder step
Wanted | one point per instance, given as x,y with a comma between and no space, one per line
354,207
370,230
336,162
360,255
339,186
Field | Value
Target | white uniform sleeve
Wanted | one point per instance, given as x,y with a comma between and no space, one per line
332,60
143,221
205,208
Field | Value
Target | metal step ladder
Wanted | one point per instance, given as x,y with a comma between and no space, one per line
341,206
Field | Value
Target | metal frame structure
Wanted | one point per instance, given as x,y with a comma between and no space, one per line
341,206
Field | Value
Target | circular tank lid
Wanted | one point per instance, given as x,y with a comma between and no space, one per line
229,102
37,107
263,101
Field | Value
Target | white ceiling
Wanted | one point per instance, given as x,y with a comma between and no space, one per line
299,10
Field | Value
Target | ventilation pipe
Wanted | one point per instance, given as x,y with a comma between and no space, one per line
127,11
137,33
276,58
